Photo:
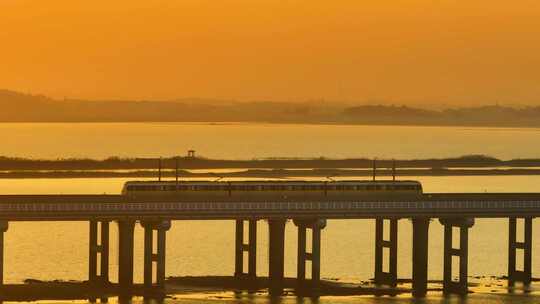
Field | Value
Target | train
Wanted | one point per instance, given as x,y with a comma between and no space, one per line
272,190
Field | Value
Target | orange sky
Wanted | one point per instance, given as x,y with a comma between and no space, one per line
450,52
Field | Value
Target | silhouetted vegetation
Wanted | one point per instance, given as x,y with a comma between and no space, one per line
116,163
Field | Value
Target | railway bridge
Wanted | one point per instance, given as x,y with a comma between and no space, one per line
155,216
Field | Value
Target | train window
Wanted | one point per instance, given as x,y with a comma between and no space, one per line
277,187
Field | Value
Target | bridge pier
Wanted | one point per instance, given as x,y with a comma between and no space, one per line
449,285
157,255
382,277
314,256
525,275
420,256
4,225
250,248
98,249
125,254
276,255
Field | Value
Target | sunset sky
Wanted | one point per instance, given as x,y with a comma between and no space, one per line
420,52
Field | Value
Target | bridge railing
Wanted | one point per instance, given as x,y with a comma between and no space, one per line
28,207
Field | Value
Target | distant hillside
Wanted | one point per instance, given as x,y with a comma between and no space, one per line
17,107
474,116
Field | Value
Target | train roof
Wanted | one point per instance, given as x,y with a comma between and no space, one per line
274,182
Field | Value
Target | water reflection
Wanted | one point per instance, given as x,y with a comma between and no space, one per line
58,250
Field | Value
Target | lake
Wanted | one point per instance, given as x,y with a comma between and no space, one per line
246,141
59,250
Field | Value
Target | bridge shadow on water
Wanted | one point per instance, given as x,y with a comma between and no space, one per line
229,289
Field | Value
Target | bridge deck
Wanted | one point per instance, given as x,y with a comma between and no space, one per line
84,207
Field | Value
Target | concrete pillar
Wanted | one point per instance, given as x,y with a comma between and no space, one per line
314,256
381,277
516,275
3,228
250,248
239,249
449,285
125,254
148,256
100,249
276,255
93,252
301,265
155,255
252,258
420,256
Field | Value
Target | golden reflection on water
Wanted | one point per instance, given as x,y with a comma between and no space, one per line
246,141
58,250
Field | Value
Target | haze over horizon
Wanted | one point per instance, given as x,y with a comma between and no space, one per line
403,52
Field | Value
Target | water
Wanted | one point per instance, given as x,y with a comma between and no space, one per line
244,141
347,251
59,250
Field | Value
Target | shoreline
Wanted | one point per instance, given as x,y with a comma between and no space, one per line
197,163
211,287
265,173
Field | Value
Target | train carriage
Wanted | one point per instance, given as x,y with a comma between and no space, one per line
271,190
